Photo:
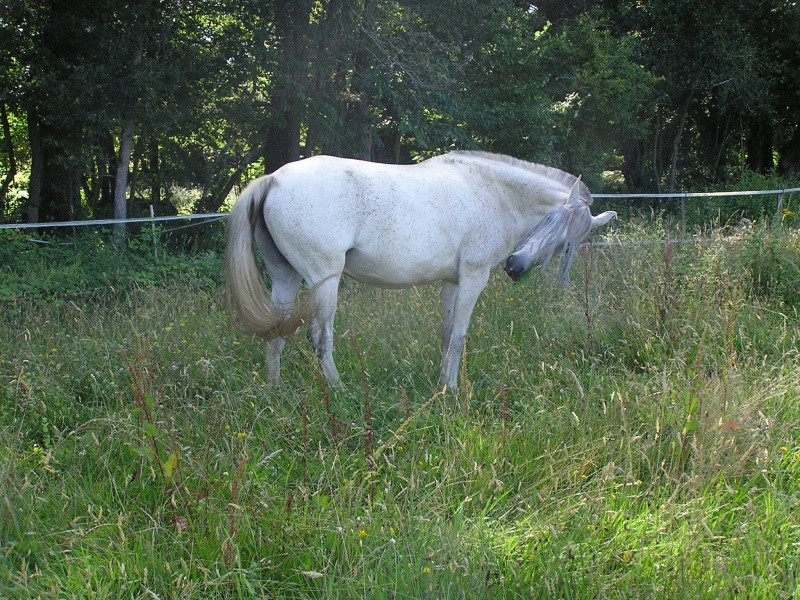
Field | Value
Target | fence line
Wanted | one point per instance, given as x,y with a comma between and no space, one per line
683,196
700,194
216,216
96,222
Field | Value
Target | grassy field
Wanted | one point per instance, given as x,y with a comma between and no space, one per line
636,435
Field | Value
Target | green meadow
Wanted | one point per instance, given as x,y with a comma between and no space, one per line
634,435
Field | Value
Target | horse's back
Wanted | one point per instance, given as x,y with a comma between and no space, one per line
384,224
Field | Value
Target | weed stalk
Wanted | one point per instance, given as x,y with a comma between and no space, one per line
503,410
588,256
406,403
141,386
369,434
229,546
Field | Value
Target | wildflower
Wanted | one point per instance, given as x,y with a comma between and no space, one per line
313,574
362,533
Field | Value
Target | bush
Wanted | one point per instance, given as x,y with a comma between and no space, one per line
87,263
769,260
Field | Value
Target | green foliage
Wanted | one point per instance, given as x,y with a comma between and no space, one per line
221,91
613,439
598,92
88,265
770,260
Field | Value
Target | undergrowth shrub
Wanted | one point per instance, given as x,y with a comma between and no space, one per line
769,260
773,261
88,264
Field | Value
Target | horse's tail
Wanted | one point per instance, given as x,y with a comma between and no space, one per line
248,303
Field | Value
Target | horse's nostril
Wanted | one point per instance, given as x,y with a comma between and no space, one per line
512,269
512,265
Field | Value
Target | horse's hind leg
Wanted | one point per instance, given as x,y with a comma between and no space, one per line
285,285
321,327
284,291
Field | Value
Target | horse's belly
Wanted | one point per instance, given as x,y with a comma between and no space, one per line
396,271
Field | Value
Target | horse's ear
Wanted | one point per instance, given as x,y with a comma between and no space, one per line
575,192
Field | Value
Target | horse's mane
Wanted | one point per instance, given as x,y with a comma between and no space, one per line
567,179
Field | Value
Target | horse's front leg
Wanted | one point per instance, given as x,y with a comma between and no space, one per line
448,295
458,302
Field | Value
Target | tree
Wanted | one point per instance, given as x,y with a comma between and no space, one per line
126,103
713,97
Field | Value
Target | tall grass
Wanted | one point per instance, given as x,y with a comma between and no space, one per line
634,435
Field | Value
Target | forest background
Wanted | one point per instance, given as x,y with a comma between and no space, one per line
108,106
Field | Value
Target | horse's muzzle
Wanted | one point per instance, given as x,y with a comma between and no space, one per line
514,267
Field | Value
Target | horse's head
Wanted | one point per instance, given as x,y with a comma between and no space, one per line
538,247
561,230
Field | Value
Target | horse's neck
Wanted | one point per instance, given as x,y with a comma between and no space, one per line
531,192
528,186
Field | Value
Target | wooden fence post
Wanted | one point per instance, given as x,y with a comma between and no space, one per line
153,232
779,210
683,215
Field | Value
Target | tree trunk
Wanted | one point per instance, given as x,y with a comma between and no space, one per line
361,115
125,150
632,166
676,143
282,140
55,185
121,180
155,174
789,162
123,164
35,183
12,162
759,145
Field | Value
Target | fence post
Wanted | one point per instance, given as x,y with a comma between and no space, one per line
779,210
683,215
153,232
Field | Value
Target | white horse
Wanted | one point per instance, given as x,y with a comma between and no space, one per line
450,218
